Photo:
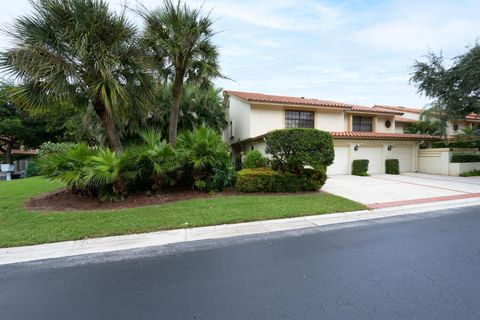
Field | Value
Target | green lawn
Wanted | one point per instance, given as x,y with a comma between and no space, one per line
19,226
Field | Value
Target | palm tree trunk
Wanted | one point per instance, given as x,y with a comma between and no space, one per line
174,113
109,125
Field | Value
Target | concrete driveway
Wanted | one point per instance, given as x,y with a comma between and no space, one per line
385,190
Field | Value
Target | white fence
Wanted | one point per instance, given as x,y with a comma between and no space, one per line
437,161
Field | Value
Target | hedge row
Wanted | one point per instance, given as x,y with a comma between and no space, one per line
457,144
269,180
460,158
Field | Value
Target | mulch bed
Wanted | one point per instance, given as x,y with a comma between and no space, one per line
65,200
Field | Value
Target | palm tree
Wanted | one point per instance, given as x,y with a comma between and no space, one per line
179,39
81,52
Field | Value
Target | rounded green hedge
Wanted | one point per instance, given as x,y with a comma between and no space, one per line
392,166
360,167
293,149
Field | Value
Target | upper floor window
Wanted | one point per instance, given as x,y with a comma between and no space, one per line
299,119
362,124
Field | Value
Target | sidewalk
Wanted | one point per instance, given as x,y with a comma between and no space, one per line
116,243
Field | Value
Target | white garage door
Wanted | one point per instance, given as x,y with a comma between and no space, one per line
374,156
404,156
340,163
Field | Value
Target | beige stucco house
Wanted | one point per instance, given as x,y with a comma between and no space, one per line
454,127
359,132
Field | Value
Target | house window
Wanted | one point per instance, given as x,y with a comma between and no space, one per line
362,124
299,119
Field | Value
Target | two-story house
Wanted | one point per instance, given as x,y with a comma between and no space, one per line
359,132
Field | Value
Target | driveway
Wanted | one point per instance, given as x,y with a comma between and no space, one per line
385,190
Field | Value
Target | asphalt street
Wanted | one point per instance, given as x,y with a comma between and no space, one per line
421,267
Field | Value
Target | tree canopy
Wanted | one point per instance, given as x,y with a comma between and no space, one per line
78,51
455,89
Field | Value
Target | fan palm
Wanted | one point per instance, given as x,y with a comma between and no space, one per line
155,159
201,150
81,52
179,39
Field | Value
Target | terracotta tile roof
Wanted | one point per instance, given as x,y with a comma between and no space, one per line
368,109
404,120
473,116
267,98
398,108
381,135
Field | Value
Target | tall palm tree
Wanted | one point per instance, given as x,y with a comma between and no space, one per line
179,39
81,52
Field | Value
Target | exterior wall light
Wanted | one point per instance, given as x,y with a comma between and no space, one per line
356,147
390,147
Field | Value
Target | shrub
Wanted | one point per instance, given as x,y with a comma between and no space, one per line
471,173
269,180
94,172
460,158
440,144
155,160
257,180
49,147
255,159
360,167
293,149
33,169
464,144
392,166
457,144
204,153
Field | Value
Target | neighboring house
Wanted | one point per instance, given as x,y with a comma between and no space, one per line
359,132
21,160
454,127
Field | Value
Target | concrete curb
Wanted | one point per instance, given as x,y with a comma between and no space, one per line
117,243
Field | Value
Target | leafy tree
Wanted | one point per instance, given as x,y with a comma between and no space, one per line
179,41
17,128
80,53
434,128
455,90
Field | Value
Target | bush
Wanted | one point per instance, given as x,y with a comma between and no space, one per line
360,167
457,144
254,159
293,149
33,169
464,144
392,166
257,180
94,172
49,147
460,158
471,173
269,180
440,144
206,158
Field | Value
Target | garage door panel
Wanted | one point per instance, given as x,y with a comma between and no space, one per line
340,163
404,156
374,157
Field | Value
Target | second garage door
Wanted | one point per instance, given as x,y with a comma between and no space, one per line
340,163
404,156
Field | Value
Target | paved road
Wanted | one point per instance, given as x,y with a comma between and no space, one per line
427,267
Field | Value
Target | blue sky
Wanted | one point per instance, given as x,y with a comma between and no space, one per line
351,51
